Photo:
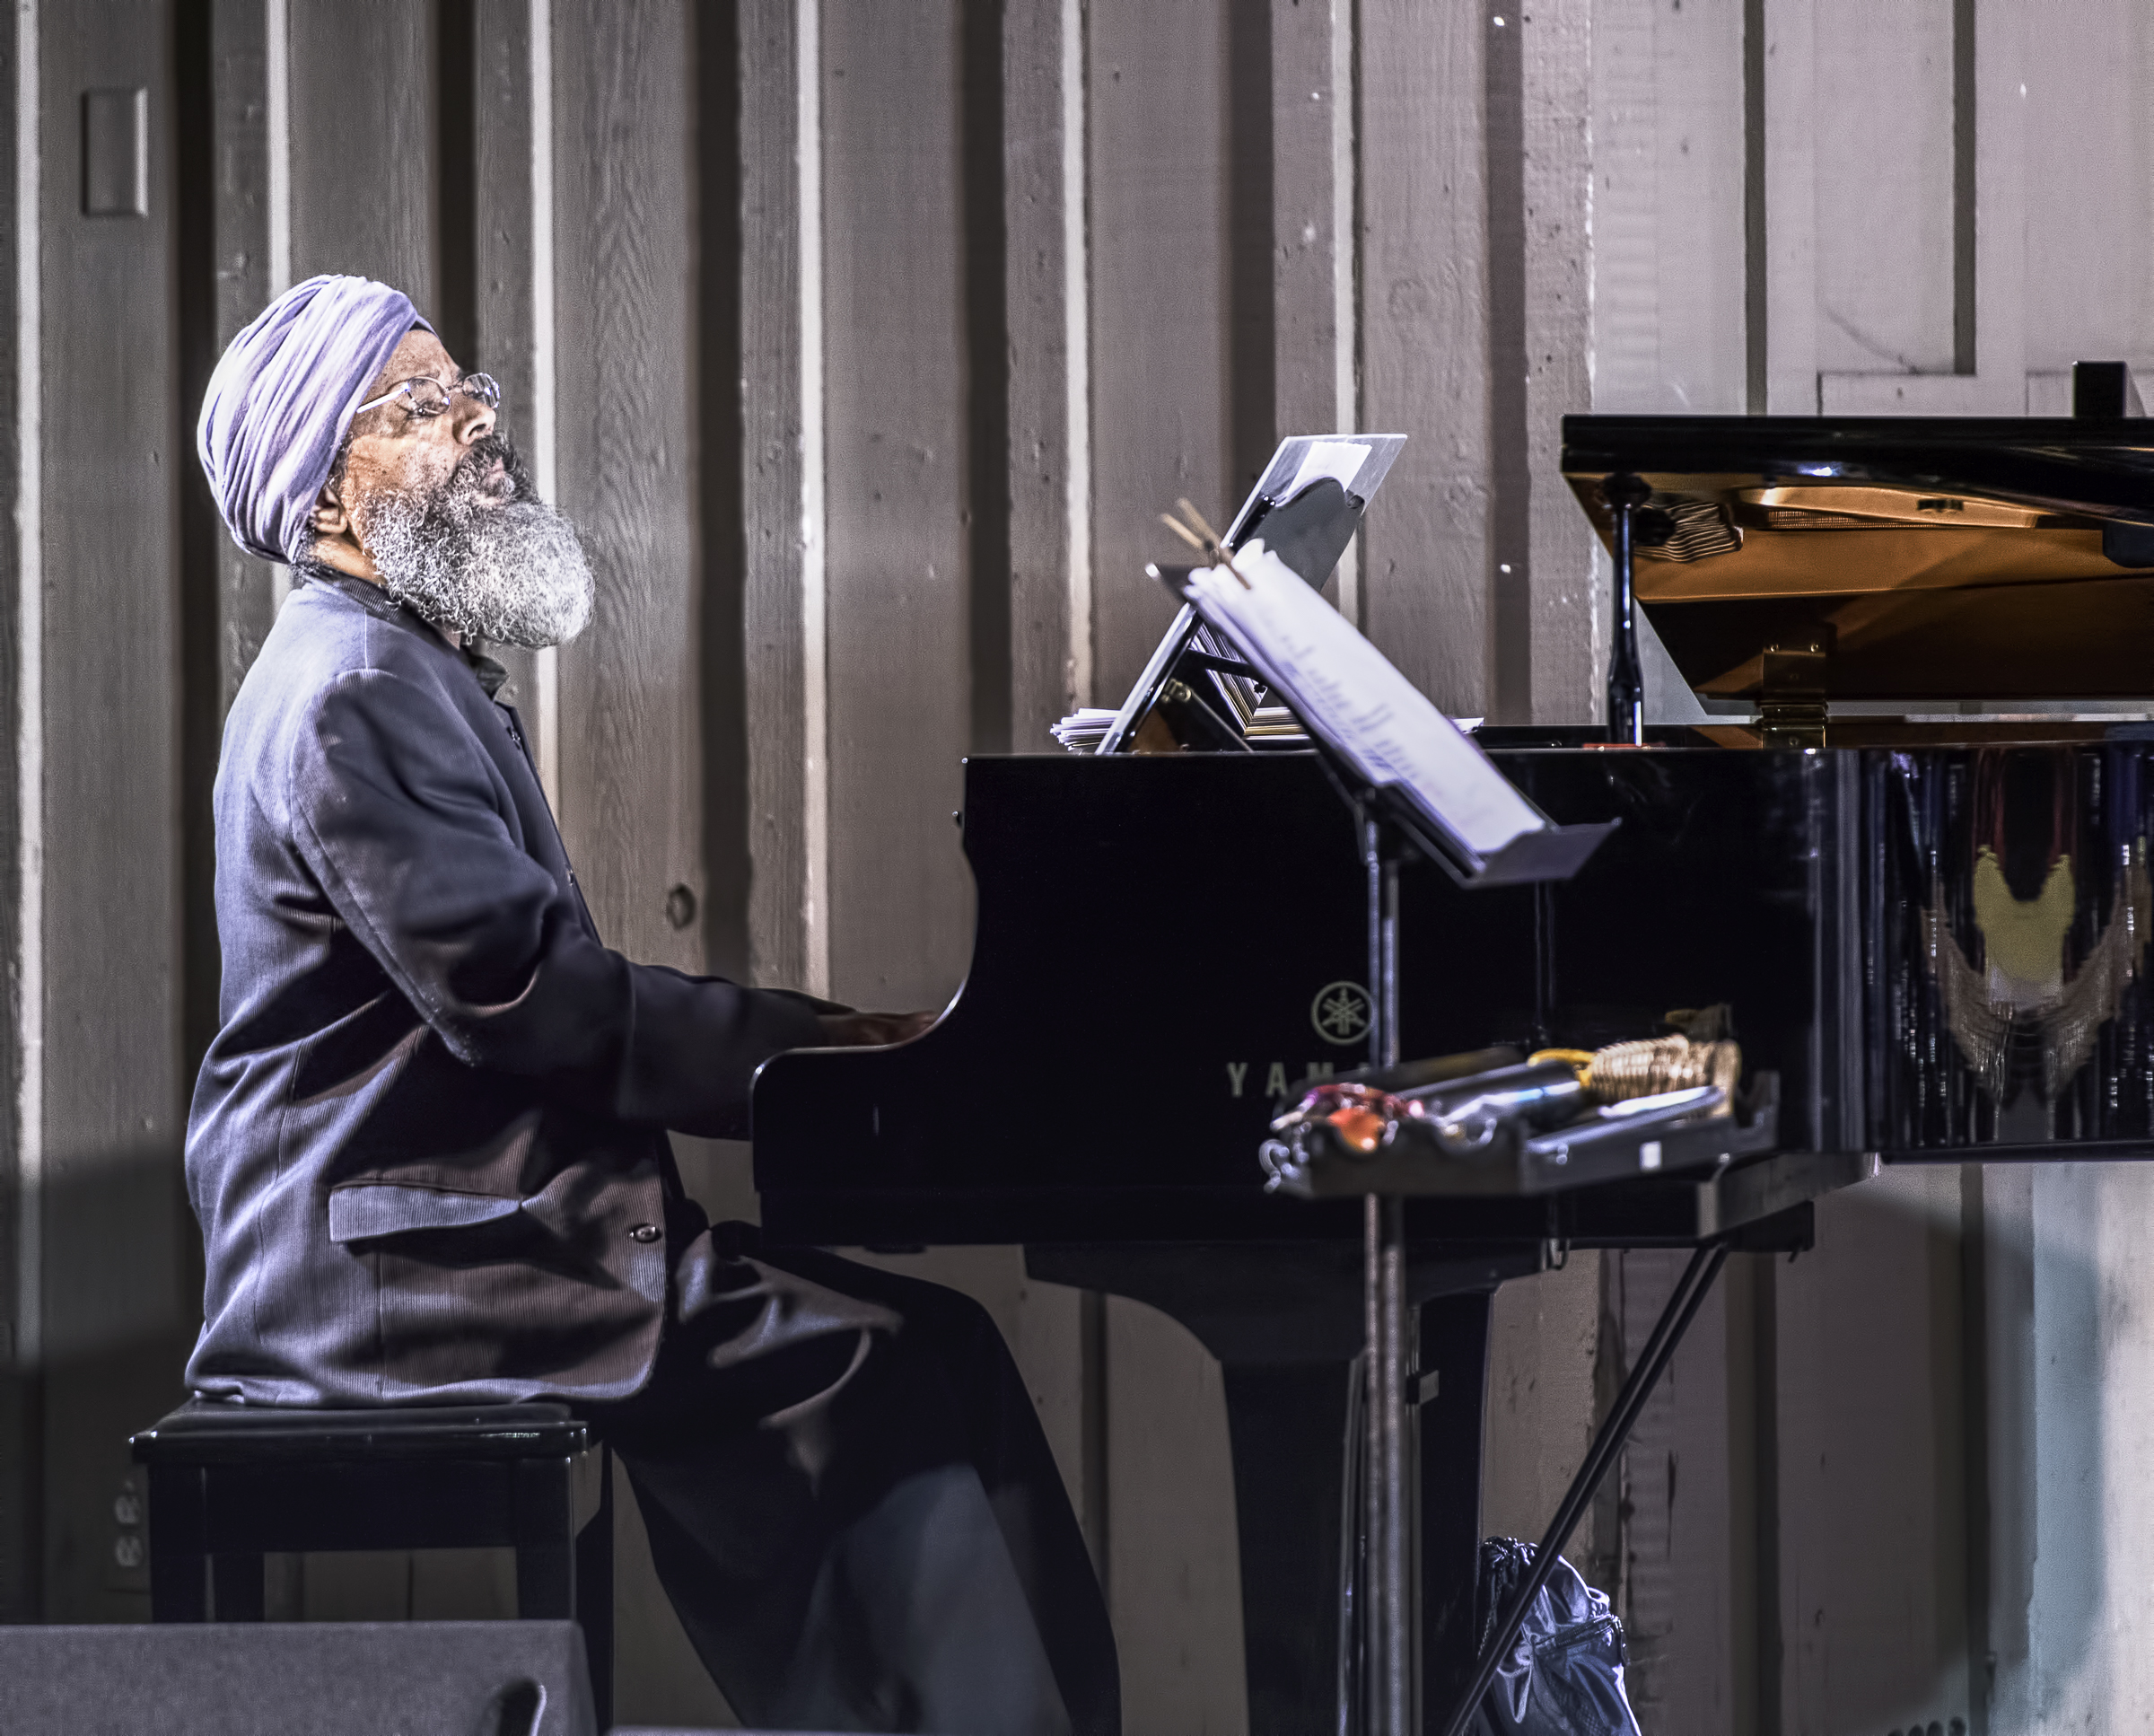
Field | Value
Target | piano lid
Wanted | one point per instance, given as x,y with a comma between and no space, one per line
1892,557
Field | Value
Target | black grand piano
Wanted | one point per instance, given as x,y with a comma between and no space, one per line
1930,926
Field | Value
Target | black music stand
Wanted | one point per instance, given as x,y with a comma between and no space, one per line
1393,833
1396,826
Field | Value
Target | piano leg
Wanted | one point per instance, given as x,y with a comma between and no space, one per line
1287,1423
1284,1322
1454,1347
1288,1426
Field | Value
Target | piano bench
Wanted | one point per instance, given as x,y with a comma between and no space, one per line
229,1484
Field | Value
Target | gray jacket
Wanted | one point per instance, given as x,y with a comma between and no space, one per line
426,1148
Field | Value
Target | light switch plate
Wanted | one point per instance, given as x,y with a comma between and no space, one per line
116,153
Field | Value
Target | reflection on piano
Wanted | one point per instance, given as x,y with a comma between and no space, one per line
1931,929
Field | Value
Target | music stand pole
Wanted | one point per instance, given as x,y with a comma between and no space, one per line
1390,1651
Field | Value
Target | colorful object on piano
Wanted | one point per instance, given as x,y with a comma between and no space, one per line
1651,1066
1519,1127
1360,1117
1464,1115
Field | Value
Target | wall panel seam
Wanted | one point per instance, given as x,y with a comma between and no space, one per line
546,665
815,650
276,115
1345,249
1076,266
30,740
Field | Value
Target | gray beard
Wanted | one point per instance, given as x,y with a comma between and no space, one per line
513,574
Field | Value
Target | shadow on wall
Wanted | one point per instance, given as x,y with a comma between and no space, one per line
120,1306
1957,1440
122,1290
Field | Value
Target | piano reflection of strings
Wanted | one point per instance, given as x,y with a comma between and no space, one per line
1929,925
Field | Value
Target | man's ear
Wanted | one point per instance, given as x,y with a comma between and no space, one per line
329,518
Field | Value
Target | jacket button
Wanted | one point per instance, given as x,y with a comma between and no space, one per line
644,1233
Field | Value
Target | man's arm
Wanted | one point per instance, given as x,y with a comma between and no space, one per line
394,809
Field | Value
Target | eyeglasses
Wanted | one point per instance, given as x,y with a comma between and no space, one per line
424,395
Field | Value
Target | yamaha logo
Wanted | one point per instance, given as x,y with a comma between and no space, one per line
1341,1013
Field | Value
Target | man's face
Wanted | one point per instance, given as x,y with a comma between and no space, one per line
437,511
393,451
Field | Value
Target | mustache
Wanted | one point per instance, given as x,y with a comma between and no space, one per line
495,447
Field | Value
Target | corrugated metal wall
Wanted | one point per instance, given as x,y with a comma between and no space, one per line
865,341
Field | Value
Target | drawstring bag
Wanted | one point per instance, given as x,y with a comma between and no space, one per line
1564,1673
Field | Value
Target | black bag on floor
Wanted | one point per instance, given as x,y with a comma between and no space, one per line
1565,1674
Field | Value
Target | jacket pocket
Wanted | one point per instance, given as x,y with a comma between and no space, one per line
364,1211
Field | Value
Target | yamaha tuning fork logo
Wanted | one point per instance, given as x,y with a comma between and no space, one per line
1340,1016
1341,1013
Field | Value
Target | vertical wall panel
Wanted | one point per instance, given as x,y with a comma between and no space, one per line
1667,1562
1175,1578
894,252
363,163
1668,207
1786,64
1567,634
1872,1461
780,496
489,231
2006,1366
722,475
22,1563
1543,1333
1885,187
1996,183
2076,1553
1042,279
1313,325
1305,174
2090,235
112,1195
1425,335
2075,1544
241,214
1160,259
1314,375
624,256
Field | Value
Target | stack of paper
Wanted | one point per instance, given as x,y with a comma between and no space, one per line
1274,726
1084,730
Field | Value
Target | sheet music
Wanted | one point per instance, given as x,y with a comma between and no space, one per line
1084,730
1352,697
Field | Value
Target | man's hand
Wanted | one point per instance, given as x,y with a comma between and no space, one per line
873,1030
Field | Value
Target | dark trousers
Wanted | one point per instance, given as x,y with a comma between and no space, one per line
853,1506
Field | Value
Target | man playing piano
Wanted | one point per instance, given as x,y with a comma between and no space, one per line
428,1145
